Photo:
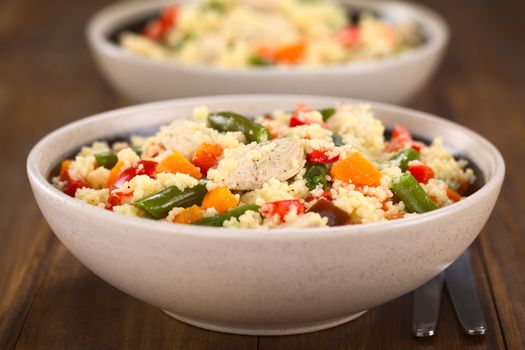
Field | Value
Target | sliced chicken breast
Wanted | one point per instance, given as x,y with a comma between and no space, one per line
249,167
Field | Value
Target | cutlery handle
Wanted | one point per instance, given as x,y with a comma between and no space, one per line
461,287
426,307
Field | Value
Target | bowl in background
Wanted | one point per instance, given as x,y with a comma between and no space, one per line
263,282
391,79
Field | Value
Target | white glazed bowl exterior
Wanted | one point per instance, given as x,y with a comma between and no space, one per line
261,282
393,80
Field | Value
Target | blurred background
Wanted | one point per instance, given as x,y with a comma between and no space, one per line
48,79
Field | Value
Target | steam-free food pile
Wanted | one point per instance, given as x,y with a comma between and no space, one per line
244,33
301,168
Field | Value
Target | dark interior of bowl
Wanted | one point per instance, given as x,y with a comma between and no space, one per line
354,14
136,26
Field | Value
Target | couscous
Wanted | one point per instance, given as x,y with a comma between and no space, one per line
244,33
301,168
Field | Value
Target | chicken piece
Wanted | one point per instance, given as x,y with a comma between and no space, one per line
256,27
185,137
249,167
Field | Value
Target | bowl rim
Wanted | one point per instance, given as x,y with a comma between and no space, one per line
100,22
40,182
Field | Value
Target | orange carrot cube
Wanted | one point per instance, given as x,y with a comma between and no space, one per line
221,199
177,163
357,170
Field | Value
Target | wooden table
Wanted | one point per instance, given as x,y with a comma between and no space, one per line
48,300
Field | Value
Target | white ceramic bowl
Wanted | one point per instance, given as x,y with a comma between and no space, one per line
392,80
261,282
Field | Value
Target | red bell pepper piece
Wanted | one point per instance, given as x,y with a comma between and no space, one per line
401,137
117,198
298,119
421,173
318,156
153,30
281,208
147,167
453,195
350,36
326,195
158,28
71,185
143,167
401,134
207,156
417,147
463,187
125,176
169,16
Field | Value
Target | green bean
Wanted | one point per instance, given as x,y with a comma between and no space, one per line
412,194
327,113
337,139
229,121
106,159
214,5
259,61
218,220
159,204
187,37
315,174
138,150
404,156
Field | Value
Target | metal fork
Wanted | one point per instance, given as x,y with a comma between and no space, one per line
461,287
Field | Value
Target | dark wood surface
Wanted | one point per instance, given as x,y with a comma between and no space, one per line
48,300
